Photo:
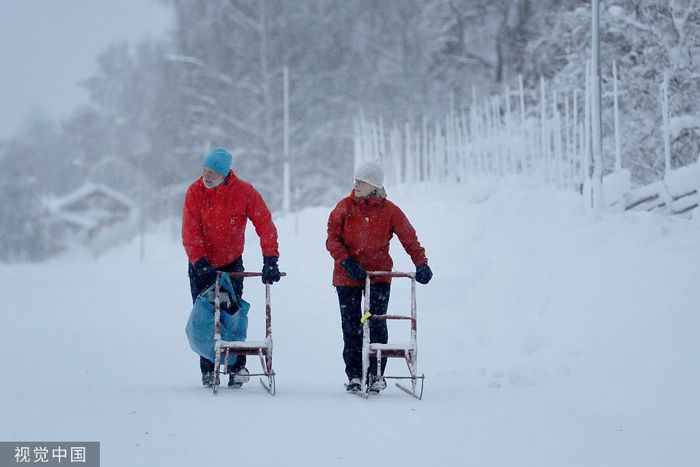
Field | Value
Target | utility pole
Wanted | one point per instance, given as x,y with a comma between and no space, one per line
286,188
596,134
142,209
142,150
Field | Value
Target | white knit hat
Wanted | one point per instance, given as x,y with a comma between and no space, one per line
372,173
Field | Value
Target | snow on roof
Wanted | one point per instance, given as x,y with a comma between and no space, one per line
74,219
57,203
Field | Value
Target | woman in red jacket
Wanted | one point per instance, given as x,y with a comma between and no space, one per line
216,211
359,230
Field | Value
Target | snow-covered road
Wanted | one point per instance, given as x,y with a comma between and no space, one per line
548,337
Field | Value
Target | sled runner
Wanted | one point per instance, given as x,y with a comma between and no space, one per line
262,349
408,351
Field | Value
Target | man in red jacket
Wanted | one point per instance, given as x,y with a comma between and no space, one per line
359,230
217,208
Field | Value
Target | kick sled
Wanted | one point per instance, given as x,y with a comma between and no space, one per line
263,348
408,351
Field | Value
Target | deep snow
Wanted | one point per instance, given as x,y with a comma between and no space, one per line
549,337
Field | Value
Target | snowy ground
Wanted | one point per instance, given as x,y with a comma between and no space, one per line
548,337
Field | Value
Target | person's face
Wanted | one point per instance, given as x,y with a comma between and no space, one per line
211,179
363,189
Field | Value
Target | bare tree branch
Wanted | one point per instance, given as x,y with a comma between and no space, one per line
680,24
641,26
240,17
211,72
231,120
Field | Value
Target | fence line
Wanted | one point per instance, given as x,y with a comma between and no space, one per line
544,133
499,135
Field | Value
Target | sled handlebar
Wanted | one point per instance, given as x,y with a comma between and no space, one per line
410,275
246,274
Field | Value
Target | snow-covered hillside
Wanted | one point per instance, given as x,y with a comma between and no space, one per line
548,337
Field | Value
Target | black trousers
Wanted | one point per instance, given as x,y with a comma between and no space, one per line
197,287
350,299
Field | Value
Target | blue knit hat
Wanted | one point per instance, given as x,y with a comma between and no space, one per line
218,160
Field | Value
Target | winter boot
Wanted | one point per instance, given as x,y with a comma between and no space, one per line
208,378
355,385
377,385
236,380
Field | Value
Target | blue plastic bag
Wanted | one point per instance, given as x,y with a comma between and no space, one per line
200,325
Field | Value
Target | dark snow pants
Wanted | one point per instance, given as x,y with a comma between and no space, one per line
197,287
350,299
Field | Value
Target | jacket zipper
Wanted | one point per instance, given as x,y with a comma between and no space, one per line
365,230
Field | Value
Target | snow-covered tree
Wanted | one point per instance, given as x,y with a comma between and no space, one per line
647,39
24,165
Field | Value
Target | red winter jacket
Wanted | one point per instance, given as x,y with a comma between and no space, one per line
362,228
214,221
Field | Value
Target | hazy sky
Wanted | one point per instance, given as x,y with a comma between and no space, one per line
48,46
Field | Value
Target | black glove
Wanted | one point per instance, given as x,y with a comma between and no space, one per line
423,274
205,273
354,269
227,303
270,271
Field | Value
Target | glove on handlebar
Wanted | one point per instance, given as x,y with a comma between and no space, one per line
205,272
423,274
270,270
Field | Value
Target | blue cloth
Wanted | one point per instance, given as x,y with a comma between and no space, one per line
200,325
218,160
